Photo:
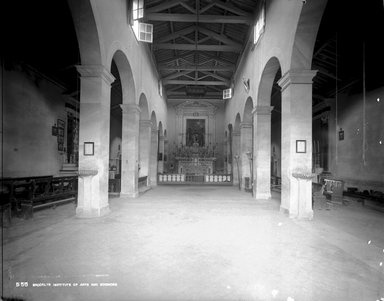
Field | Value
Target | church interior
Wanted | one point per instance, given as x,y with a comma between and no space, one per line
192,150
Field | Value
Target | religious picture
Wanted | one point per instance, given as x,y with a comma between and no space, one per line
195,132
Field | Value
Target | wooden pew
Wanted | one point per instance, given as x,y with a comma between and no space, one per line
50,192
23,195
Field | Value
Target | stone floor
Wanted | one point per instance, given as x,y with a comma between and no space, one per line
196,243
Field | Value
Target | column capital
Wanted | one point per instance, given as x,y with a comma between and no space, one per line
262,110
296,76
130,108
154,131
246,125
95,71
236,133
146,123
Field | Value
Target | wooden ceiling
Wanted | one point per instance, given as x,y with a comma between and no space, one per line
197,44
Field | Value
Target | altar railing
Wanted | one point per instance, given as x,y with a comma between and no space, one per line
219,179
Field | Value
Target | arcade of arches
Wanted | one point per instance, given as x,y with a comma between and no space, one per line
132,116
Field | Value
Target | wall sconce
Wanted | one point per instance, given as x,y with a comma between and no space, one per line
246,84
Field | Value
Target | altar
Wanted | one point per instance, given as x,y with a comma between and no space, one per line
196,165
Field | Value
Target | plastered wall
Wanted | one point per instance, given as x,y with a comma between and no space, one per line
31,106
357,169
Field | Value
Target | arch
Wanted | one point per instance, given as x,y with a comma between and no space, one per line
266,81
237,123
86,31
248,108
154,120
306,33
160,128
165,133
143,104
126,77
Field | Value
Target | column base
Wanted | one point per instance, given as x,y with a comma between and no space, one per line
284,210
129,194
263,195
307,216
82,212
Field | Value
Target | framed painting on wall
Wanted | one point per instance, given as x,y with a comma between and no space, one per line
301,146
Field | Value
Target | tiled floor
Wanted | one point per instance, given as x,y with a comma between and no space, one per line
196,243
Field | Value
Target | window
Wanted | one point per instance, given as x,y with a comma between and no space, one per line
227,93
260,25
137,9
145,32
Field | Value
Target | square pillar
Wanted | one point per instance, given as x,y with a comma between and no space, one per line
296,125
145,147
262,152
246,146
130,150
153,158
236,163
160,164
94,127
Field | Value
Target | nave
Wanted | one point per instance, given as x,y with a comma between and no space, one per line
196,243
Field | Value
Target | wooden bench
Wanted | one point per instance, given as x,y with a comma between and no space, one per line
30,193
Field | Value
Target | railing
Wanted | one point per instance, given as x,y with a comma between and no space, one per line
222,179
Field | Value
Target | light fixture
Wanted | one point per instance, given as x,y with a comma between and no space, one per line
246,84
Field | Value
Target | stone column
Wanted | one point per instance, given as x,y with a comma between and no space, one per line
160,164
236,152
229,150
296,90
144,147
246,146
94,127
153,158
130,150
225,154
262,152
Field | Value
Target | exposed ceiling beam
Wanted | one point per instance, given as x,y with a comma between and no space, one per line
176,75
325,72
215,76
163,6
228,48
185,5
177,34
175,87
201,18
175,58
198,68
226,6
192,82
218,37
218,59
